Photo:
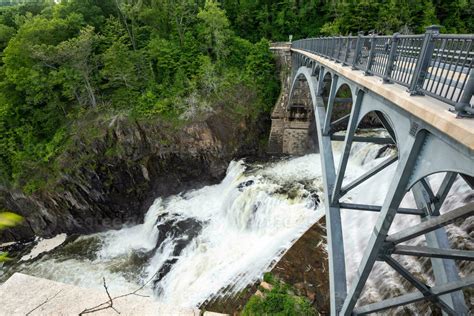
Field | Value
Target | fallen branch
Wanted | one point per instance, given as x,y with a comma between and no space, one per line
106,305
110,302
46,301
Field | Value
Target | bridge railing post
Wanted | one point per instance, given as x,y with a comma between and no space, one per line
357,51
331,48
328,47
370,60
423,62
391,59
323,46
463,107
346,53
340,42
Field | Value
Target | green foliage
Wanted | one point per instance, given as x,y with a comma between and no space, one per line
8,219
278,304
173,59
214,29
278,19
269,278
279,301
260,70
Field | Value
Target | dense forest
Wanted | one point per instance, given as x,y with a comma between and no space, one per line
161,59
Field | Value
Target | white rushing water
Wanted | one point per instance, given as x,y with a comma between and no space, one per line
197,243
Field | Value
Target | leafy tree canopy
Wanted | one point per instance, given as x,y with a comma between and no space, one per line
172,59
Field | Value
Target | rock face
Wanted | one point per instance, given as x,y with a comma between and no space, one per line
305,267
112,178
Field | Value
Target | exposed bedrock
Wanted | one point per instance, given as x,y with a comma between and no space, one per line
112,180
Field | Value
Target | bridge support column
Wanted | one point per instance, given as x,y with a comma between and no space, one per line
332,97
337,268
408,157
351,128
444,270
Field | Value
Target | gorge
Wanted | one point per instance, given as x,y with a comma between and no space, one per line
213,242
168,146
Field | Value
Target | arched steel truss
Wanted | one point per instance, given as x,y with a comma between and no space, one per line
422,151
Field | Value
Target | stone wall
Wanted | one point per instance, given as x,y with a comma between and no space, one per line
283,59
294,141
291,124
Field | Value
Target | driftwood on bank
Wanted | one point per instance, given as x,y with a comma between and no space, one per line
110,303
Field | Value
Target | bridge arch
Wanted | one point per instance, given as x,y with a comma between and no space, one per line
325,86
440,159
379,119
300,136
428,142
344,98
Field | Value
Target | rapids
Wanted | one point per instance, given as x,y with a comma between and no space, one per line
215,241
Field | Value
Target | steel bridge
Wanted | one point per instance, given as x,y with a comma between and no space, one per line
420,88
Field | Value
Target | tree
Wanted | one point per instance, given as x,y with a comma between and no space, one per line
6,33
74,57
120,66
214,29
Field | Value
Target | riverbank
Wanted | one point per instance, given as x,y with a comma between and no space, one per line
115,166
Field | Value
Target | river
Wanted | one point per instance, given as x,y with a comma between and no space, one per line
194,245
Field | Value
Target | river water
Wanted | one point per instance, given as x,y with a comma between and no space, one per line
193,245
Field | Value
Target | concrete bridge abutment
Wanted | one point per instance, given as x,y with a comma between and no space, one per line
293,129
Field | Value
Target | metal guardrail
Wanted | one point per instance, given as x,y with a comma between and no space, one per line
434,64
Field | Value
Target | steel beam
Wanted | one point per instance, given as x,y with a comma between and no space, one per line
419,251
376,208
351,128
414,297
340,100
337,269
428,196
392,201
365,139
420,286
469,180
368,175
320,82
443,191
343,119
432,224
387,125
332,96
444,270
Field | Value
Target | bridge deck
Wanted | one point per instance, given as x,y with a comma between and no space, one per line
432,111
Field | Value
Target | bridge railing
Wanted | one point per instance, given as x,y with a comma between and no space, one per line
435,64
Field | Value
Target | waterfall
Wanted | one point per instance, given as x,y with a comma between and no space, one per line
193,245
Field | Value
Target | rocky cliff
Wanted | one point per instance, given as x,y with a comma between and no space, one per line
111,178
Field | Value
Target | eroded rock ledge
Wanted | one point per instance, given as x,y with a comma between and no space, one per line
112,178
